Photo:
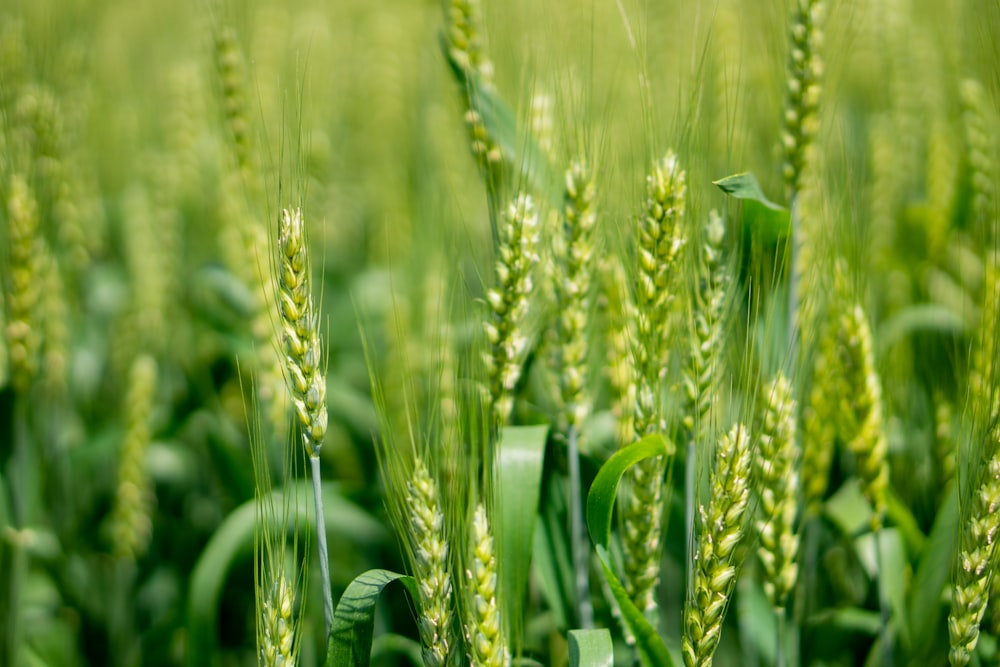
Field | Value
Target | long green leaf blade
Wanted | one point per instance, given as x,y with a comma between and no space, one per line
600,506
354,619
519,472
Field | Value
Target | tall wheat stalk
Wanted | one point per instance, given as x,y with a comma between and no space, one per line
304,367
660,242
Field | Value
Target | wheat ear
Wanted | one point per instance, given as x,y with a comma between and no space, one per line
976,558
805,70
777,480
130,518
860,416
429,545
483,631
24,279
465,45
278,631
575,249
304,366
508,303
661,241
716,565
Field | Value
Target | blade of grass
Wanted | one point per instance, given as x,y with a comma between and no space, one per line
354,619
519,472
600,505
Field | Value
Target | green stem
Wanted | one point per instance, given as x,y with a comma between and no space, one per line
122,613
794,239
22,483
578,538
324,558
689,500
18,572
883,602
779,636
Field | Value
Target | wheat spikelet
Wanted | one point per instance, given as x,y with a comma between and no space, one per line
483,631
980,132
661,241
805,69
716,566
573,291
706,340
777,482
277,641
429,546
508,302
860,414
300,331
229,63
467,52
130,517
975,558
24,281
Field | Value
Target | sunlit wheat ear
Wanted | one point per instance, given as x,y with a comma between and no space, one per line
429,546
776,478
277,639
980,139
23,284
860,416
483,632
805,71
716,565
976,557
300,331
466,50
130,518
508,303
706,354
661,240
573,290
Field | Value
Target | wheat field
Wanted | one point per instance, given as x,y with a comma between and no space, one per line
466,332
